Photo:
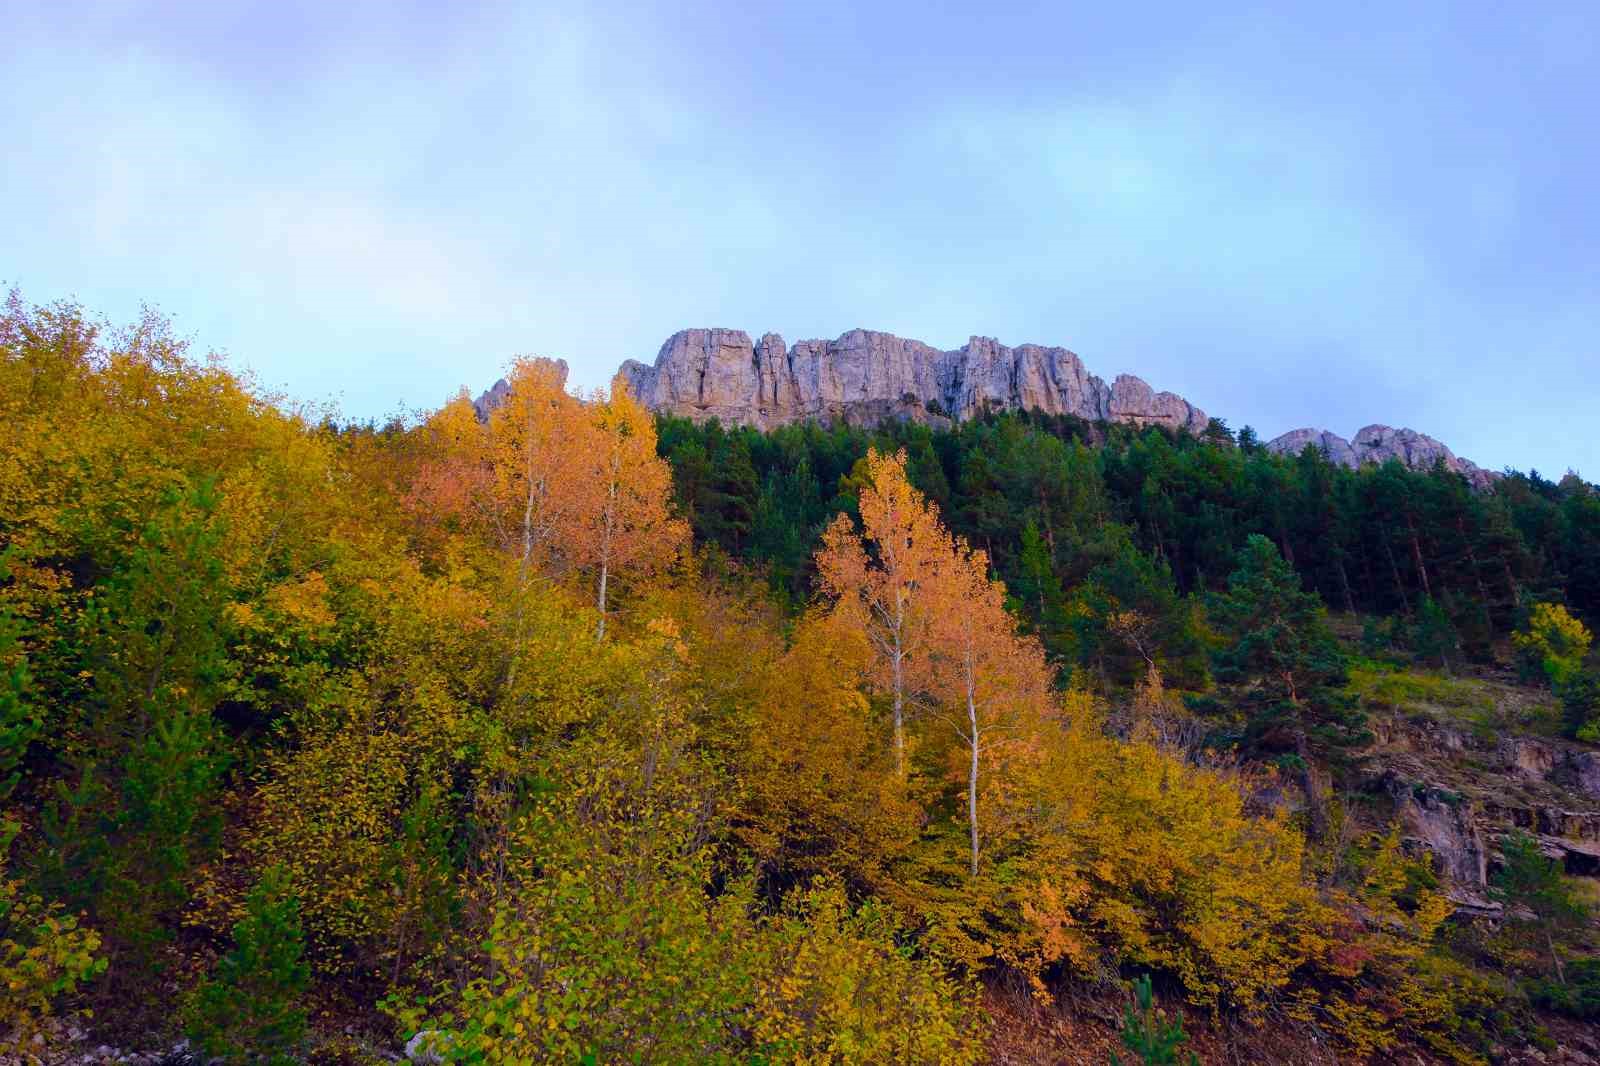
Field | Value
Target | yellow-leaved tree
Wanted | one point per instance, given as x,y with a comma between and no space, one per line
625,523
991,682
884,576
541,488
822,796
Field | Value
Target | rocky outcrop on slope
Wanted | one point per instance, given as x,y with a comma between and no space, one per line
865,376
1379,444
1458,791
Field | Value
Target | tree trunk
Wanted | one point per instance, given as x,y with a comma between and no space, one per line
1394,568
899,688
1416,555
972,779
534,488
1477,572
1317,817
605,554
1344,583
1555,956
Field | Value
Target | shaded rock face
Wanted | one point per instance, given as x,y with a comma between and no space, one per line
496,394
1435,819
1457,793
865,375
1379,444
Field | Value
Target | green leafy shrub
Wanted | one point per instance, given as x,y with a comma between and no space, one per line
1578,997
45,955
1580,706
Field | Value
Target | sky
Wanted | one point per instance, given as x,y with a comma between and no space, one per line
1293,215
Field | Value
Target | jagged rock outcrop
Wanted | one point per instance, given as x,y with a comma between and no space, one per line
865,376
1458,791
496,394
1379,444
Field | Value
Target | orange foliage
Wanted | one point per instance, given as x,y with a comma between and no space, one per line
884,578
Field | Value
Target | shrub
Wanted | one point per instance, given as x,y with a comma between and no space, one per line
248,1012
44,956
1147,1033
839,987
1579,997
1553,644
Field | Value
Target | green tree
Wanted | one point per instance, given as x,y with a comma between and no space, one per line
1434,636
145,751
249,1011
1147,1033
1038,592
19,720
1285,667
1128,617
1539,901
1580,704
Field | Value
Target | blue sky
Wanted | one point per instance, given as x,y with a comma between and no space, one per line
1332,216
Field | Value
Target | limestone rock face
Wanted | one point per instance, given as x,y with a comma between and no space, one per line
1379,444
866,375
496,394
1335,447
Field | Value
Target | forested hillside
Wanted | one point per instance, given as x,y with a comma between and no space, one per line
575,735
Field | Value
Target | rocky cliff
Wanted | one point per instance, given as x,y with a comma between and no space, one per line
864,377
1378,444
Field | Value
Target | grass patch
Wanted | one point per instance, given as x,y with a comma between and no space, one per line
1428,694
1392,688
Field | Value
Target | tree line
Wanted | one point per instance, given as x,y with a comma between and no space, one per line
1380,539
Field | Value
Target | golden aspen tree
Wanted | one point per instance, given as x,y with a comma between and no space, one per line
822,795
626,524
538,487
452,479
537,435
996,679
884,576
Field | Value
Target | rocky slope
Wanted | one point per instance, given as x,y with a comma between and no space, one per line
864,377
1378,444
1465,761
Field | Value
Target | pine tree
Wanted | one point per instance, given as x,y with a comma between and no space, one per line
1285,666
1536,896
248,1012
1435,637
19,720
1147,1034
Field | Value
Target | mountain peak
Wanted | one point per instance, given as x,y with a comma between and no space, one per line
1378,444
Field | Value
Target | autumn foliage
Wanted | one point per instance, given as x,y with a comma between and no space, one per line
448,726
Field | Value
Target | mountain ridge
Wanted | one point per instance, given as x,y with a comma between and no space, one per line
864,377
